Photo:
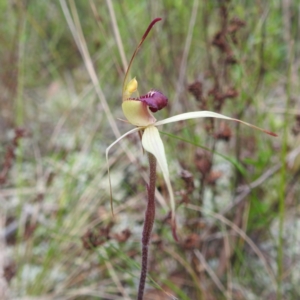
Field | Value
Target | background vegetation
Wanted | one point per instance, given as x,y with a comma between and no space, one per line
62,67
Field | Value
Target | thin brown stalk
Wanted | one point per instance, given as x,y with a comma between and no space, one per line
148,224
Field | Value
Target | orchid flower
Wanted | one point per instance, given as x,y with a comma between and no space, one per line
139,112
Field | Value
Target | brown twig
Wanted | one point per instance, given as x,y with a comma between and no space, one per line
10,154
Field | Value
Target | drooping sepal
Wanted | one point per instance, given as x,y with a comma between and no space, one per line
108,170
152,143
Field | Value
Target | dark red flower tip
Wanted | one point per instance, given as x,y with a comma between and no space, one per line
155,100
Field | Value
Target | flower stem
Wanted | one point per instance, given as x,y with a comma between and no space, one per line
148,224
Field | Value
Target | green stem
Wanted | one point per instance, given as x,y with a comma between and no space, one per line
282,184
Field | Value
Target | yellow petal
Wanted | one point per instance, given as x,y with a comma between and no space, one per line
137,113
152,143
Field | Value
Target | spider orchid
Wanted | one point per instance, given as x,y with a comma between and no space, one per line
138,111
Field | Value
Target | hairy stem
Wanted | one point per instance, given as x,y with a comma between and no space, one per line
148,224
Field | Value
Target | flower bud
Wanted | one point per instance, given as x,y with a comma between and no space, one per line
131,87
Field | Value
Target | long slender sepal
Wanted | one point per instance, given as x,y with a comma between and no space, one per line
207,114
137,49
108,170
